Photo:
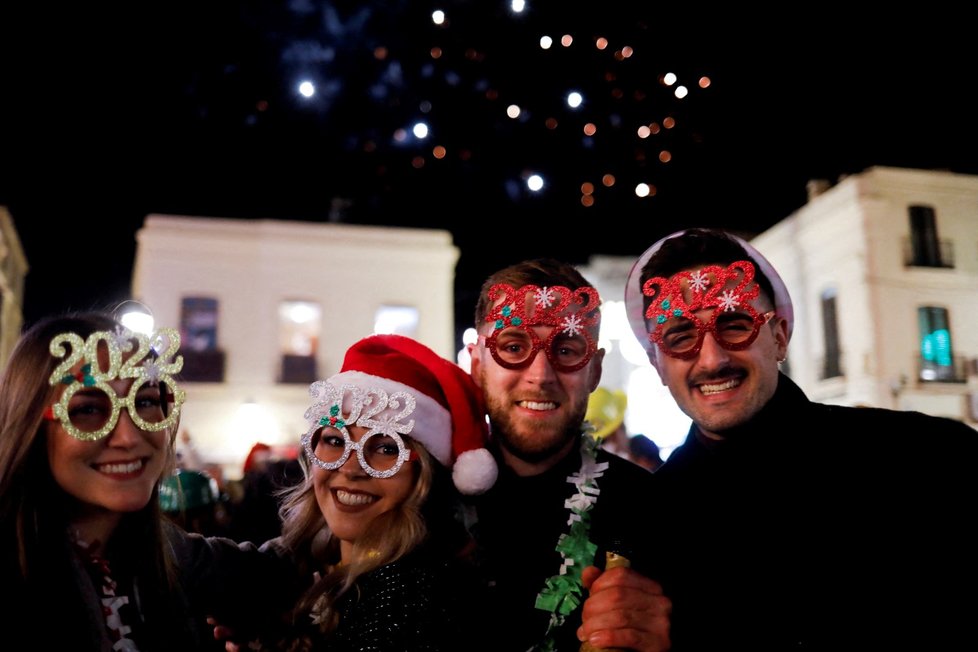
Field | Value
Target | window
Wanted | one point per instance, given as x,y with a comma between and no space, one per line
936,355
831,364
300,323
396,320
198,324
924,245
202,360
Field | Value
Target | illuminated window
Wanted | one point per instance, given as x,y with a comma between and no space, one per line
300,323
936,355
396,320
203,361
198,324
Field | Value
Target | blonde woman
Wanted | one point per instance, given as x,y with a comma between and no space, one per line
392,441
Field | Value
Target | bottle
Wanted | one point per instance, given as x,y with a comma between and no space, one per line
611,560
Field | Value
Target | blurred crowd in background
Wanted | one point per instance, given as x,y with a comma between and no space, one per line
199,496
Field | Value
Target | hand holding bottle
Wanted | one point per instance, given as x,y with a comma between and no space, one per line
624,611
612,560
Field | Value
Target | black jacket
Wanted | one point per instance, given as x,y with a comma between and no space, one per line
821,527
519,523
423,602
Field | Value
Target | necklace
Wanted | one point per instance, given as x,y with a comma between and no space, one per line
561,593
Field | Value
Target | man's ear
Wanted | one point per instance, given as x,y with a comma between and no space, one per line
475,364
594,369
781,338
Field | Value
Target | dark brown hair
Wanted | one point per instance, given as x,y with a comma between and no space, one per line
34,510
539,271
701,247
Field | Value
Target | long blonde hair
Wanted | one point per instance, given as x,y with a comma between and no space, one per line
386,539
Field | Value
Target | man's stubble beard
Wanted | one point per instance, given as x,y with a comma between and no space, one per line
530,444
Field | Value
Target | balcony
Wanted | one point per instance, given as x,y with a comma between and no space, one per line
205,366
922,256
931,372
298,369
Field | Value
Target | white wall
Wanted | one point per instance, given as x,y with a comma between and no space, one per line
852,237
250,267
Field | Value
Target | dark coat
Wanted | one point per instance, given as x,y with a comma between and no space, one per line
249,589
423,602
519,523
63,607
821,527
427,601
415,604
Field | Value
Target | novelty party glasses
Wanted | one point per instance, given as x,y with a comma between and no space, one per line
92,410
515,348
726,291
682,337
514,343
89,406
381,451
380,455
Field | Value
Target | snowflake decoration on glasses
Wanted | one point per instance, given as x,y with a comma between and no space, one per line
728,301
698,281
122,337
153,371
687,292
532,305
572,325
545,297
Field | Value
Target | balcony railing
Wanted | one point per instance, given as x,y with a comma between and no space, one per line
298,369
203,366
930,372
942,258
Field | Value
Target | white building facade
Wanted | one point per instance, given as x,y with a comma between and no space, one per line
265,307
883,273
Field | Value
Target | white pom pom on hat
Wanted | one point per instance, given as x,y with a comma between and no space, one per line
441,388
475,471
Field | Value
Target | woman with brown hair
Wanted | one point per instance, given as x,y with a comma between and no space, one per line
88,416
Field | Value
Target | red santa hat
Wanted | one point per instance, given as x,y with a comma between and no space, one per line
449,414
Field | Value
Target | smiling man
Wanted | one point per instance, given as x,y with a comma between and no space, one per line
558,503
785,523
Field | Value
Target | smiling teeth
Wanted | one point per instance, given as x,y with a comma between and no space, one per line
534,405
721,387
129,467
346,498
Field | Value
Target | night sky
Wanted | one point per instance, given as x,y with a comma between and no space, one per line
193,108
